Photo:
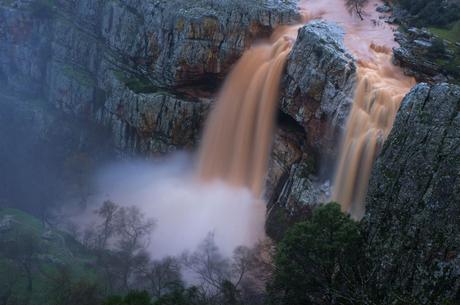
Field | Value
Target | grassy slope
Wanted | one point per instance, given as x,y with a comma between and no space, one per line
57,250
452,33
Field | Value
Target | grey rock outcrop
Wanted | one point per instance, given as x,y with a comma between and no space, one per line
319,82
191,42
413,202
315,101
427,57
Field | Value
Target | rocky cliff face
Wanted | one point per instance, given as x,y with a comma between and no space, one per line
131,65
146,71
315,101
318,83
413,203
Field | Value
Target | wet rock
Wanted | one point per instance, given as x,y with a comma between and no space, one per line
316,97
153,123
420,53
287,150
413,202
123,63
423,43
318,84
383,8
300,193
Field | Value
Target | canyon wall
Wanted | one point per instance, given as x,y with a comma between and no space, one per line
144,70
413,203
142,75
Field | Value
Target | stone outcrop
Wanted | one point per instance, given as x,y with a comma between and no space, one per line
318,85
315,101
417,55
413,203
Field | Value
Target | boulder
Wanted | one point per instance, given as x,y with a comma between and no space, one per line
6,223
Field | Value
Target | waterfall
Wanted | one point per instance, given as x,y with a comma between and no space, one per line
238,135
380,89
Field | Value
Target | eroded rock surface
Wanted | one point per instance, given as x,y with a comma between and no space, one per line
316,99
318,85
413,203
418,54
123,63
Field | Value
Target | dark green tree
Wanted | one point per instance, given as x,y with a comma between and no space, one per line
182,296
132,298
22,249
320,261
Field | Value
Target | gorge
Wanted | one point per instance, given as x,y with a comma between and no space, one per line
231,119
238,136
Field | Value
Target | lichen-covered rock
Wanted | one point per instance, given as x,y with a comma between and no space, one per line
318,85
316,98
415,55
153,122
286,151
190,42
24,45
300,192
413,202
125,63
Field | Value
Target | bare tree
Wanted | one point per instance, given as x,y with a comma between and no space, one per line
253,268
209,266
163,276
356,6
235,280
132,229
133,232
120,240
106,229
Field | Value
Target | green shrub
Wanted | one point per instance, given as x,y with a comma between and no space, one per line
430,12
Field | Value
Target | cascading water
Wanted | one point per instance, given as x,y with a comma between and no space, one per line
238,135
380,89
237,138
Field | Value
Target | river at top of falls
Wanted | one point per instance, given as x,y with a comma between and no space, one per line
238,134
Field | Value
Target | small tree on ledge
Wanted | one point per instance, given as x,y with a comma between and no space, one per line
356,6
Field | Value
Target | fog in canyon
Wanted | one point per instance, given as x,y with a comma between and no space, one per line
221,188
